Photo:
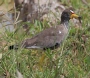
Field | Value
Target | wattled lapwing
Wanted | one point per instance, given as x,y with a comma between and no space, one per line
52,37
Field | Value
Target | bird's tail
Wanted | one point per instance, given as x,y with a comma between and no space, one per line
15,47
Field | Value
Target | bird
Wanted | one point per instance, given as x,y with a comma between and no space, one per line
50,38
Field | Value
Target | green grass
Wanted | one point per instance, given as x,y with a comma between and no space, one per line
71,60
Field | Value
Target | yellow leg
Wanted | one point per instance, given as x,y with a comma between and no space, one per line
41,61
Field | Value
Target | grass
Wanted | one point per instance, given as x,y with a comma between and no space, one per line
71,60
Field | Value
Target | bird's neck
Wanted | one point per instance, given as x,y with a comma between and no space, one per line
66,23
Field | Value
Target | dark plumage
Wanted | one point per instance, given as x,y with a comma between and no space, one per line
51,37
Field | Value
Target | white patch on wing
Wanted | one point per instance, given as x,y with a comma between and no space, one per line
60,32
26,1
33,47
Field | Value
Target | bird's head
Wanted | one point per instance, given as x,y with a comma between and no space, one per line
68,14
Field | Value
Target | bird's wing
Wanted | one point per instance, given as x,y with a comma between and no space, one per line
45,42
49,42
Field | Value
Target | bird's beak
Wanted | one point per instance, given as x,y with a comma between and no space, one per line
74,16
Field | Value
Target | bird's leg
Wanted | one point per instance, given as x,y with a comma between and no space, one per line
41,61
